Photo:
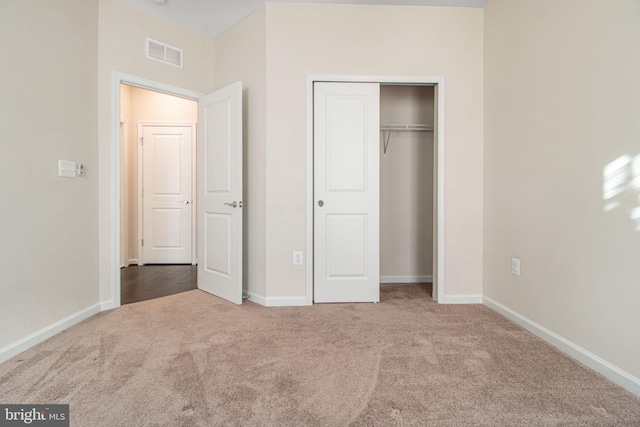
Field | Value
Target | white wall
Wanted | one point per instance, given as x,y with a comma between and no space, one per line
147,106
373,40
48,110
406,184
241,56
561,104
121,38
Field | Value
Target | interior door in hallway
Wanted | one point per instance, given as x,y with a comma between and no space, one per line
167,201
346,192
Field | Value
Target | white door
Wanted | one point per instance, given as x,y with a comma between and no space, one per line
167,194
220,193
346,192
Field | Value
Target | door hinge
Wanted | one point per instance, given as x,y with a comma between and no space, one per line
142,242
141,140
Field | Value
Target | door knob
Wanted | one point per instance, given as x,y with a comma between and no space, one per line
320,203
186,202
233,204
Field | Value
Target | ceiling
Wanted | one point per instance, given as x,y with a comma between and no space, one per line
214,17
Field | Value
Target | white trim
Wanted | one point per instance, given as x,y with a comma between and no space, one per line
107,305
309,203
598,364
278,301
112,256
438,226
439,160
133,261
406,279
461,299
286,301
192,125
140,186
257,298
37,337
124,196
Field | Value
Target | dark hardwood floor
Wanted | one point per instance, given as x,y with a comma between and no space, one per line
140,283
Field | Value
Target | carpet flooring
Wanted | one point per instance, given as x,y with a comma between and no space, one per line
192,359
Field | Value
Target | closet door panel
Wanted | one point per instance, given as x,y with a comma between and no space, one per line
346,192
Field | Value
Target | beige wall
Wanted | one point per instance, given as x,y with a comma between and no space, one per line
373,40
121,36
561,105
48,110
241,56
406,183
150,107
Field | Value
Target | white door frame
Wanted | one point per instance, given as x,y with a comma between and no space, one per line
439,164
113,257
124,201
194,198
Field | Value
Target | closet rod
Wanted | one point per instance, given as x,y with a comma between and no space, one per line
402,128
407,127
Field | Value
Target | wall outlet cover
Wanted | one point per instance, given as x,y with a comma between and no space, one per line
515,266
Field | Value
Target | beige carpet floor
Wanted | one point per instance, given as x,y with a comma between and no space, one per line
194,360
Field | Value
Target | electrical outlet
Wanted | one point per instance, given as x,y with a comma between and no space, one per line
515,266
297,257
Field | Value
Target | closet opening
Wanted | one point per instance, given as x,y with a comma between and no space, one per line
407,116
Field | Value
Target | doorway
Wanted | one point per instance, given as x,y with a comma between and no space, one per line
219,156
436,86
406,184
158,198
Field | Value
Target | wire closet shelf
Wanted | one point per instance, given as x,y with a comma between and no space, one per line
402,127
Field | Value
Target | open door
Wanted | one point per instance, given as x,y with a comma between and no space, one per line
346,192
220,193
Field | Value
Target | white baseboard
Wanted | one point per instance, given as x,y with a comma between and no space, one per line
107,305
37,337
598,364
132,261
258,299
286,301
406,279
277,301
462,299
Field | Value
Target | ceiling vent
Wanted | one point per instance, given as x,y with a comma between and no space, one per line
164,53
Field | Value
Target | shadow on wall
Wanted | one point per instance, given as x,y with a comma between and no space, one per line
621,186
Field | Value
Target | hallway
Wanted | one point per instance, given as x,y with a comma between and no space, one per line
145,282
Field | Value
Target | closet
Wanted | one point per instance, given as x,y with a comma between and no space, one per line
406,183
373,188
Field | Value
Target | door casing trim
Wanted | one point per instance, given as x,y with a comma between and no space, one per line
111,257
439,164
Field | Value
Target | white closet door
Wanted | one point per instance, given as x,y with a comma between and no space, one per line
346,192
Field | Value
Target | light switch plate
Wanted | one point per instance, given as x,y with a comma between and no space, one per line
297,258
67,168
